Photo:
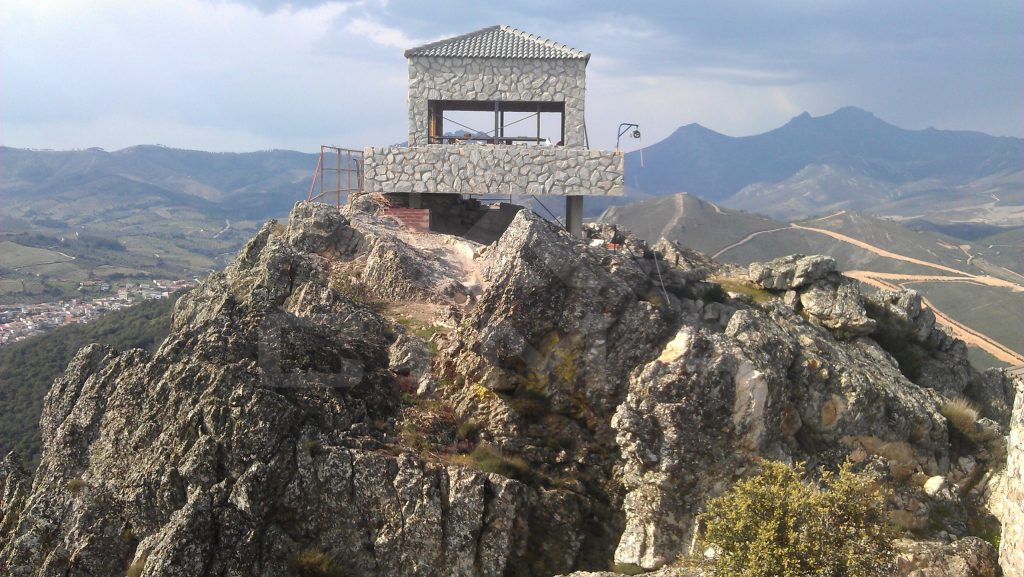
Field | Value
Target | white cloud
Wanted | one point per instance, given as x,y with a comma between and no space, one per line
244,74
381,34
189,67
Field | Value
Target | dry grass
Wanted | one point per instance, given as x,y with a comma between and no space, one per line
135,569
313,562
960,413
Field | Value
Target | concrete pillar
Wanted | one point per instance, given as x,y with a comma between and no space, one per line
574,215
415,200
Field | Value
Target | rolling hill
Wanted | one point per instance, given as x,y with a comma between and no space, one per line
140,212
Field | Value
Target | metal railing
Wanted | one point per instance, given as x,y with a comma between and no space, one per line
340,167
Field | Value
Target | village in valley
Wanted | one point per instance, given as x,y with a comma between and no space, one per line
20,321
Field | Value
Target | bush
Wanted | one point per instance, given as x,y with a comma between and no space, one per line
777,525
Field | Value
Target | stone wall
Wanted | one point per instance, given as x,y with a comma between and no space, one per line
489,79
1011,547
502,169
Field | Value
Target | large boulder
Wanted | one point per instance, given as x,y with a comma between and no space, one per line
791,272
836,303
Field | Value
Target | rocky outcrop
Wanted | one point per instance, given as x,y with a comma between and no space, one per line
791,272
836,303
774,386
14,486
1011,546
931,357
543,359
260,437
349,398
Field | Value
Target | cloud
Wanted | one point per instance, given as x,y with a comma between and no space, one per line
381,34
297,73
223,68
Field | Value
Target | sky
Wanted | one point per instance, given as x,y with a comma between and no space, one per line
243,75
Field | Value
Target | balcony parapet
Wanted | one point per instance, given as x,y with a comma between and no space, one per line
495,169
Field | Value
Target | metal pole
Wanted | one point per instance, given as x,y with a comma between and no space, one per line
538,123
496,109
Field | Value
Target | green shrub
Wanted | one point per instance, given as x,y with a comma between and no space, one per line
312,562
777,525
468,431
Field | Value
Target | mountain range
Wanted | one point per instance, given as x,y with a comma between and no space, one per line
849,159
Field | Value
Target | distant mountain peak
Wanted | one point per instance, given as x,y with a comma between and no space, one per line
694,129
849,115
853,111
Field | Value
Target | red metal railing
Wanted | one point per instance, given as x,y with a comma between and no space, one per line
344,168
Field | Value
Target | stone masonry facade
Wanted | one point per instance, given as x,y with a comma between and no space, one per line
484,169
490,79
1011,546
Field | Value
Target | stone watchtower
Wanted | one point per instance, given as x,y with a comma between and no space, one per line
504,72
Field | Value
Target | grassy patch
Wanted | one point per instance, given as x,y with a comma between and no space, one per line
755,293
135,569
490,460
468,431
313,562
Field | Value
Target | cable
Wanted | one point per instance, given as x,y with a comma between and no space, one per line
548,211
661,280
475,131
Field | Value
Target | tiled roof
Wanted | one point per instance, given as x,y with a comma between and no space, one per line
497,42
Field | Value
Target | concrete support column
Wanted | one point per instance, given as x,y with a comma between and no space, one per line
415,200
574,215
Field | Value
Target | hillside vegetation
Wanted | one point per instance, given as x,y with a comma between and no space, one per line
27,368
139,213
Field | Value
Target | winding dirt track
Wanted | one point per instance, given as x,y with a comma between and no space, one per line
892,281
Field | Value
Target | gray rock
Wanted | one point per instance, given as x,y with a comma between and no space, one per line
773,387
257,433
1011,546
967,557
790,272
410,357
836,303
